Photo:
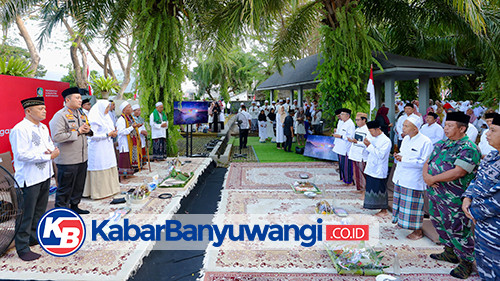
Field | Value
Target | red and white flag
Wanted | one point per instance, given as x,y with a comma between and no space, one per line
88,74
371,89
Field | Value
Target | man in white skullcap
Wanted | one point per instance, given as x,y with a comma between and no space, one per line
254,114
159,125
286,105
241,104
136,114
273,106
409,185
294,105
129,142
266,107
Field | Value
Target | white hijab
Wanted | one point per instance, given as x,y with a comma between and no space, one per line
98,117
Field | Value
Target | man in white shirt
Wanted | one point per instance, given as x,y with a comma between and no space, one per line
159,125
432,129
316,121
377,165
357,152
33,151
286,105
484,147
409,110
244,119
254,114
294,105
472,132
273,106
409,185
266,107
342,145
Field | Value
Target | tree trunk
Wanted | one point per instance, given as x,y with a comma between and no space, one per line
126,69
35,58
79,79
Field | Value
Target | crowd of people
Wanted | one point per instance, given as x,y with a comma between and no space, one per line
92,148
435,155
449,155
281,122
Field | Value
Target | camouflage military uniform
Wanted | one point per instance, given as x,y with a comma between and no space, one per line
453,227
485,208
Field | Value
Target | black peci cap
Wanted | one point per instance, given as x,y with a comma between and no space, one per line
32,102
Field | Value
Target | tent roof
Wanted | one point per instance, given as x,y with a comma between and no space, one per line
409,68
396,66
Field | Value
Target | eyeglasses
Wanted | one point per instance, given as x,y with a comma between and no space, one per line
357,119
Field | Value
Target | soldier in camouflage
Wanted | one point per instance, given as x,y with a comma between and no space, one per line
447,174
481,203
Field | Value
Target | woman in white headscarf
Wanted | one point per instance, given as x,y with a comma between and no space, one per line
102,172
280,119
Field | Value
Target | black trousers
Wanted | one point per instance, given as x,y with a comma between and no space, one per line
243,137
34,206
288,143
71,179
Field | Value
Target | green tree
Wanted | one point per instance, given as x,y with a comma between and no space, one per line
8,51
15,66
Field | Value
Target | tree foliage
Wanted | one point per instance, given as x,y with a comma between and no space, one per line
238,72
347,54
15,66
8,51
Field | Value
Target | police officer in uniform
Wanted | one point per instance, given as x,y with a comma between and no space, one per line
69,128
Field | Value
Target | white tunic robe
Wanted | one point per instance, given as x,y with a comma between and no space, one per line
100,145
270,130
280,135
262,131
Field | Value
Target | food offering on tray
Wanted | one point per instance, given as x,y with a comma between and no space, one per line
360,260
324,208
176,179
305,186
140,194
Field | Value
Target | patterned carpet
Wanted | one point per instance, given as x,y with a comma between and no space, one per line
100,260
264,188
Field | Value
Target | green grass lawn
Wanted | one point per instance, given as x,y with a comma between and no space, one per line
267,152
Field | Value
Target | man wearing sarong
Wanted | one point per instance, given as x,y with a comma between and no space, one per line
482,204
409,185
447,174
344,132
377,165
129,142
159,124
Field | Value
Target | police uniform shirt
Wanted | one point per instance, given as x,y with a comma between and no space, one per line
64,129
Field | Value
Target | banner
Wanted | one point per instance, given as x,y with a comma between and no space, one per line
14,89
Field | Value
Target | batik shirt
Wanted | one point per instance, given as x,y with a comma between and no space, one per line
485,191
448,154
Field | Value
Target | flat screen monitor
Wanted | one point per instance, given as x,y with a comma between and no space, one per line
190,112
320,147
